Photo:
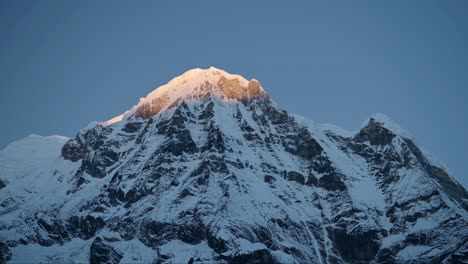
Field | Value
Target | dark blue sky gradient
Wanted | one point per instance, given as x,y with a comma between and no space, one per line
66,63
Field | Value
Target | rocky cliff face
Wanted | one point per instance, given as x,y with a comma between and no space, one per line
208,169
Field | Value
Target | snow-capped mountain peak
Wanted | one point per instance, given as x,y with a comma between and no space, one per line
197,84
208,169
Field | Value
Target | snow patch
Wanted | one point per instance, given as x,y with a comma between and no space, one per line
180,252
114,120
75,251
412,252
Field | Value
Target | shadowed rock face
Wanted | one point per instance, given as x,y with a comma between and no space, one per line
84,227
356,247
452,188
332,182
295,176
87,140
231,178
375,134
100,252
5,253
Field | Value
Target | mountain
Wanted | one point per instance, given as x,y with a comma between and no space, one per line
207,168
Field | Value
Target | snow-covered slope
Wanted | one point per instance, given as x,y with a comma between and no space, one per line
208,169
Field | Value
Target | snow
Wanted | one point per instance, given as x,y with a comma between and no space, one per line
425,224
283,257
362,188
36,178
337,130
245,246
383,119
432,159
186,85
234,203
27,156
90,125
134,251
181,252
75,251
114,120
392,239
413,252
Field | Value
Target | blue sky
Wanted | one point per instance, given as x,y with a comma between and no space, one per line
66,63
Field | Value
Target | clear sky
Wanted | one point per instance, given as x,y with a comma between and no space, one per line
66,63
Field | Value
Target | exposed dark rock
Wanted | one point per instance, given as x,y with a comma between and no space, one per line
101,252
56,232
93,168
74,150
135,194
417,239
451,187
322,165
2,184
281,223
142,135
217,244
127,227
302,144
400,213
183,143
162,258
264,236
116,195
356,247
269,179
156,233
256,257
311,180
77,148
215,140
295,176
375,134
276,116
332,182
191,260
237,163
84,227
5,253
179,140
191,234
207,112
456,258
385,256
131,127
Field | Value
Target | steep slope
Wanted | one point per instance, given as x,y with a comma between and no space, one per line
208,169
